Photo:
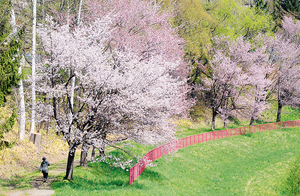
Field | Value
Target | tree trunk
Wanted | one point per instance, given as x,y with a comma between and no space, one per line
84,154
32,128
79,13
93,154
280,105
21,87
22,107
101,150
83,159
251,121
213,122
225,124
70,165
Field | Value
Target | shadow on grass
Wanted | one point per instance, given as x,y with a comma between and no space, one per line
247,135
102,176
152,176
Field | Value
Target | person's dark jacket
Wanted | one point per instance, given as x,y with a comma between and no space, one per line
44,166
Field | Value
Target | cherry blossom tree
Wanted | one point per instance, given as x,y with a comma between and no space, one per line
223,86
140,27
116,93
284,51
236,79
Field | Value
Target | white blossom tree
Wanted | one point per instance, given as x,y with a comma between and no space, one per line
116,93
140,27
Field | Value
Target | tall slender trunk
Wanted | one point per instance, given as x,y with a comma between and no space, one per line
21,87
280,105
213,122
22,116
43,11
33,97
79,13
70,165
72,71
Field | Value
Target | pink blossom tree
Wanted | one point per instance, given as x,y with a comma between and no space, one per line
141,27
236,80
116,92
284,51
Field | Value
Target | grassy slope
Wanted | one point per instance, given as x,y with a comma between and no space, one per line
255,164
268,116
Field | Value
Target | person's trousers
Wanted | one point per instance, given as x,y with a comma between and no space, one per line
45,175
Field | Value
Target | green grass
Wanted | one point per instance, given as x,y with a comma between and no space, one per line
288,113
252,164
19,183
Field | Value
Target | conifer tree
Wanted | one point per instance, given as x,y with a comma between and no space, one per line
10,44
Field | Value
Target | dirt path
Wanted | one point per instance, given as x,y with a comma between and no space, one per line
41,188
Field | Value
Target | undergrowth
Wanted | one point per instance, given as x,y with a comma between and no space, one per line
25,157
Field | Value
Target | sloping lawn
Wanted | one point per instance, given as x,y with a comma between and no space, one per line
253,164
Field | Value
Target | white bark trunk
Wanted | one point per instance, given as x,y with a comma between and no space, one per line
32,128
72,71
79,12
21,88
22,103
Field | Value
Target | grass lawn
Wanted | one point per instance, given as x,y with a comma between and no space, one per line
252,164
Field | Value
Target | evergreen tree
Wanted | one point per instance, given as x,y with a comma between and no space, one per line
9,49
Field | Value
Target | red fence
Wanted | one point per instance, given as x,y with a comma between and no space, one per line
158,152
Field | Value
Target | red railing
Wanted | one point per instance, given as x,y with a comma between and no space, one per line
158,152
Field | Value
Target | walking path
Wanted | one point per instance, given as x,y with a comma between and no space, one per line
41,188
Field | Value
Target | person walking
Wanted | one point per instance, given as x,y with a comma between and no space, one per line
44,168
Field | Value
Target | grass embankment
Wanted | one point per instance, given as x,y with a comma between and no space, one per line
252,164
255,164
187,127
